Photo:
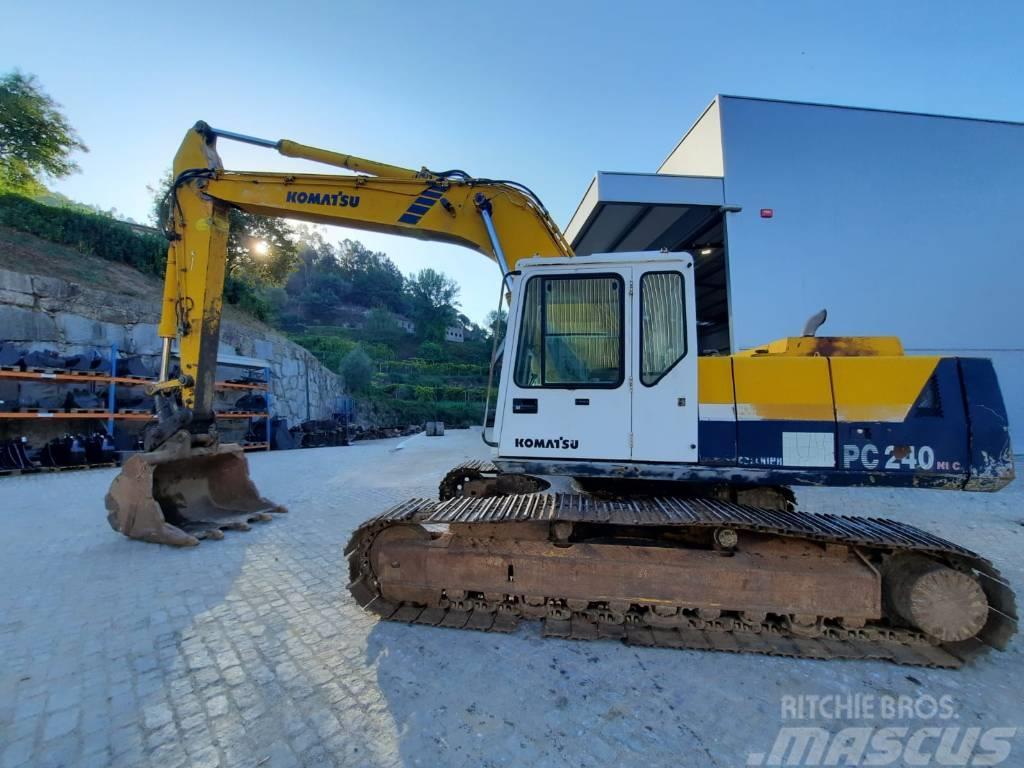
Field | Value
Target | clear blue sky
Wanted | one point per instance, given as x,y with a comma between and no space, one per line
543,92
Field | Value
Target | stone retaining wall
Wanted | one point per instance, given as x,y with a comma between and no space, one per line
39,312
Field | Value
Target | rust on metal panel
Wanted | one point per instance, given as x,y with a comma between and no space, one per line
829,346
770,579
685,573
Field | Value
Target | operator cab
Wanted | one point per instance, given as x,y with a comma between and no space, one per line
601,360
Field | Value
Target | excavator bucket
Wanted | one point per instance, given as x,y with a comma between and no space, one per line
178,494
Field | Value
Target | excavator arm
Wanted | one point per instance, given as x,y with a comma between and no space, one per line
503,220
187,486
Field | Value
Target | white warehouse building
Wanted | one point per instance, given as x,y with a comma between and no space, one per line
896,223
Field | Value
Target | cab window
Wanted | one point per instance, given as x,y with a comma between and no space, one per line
571,332
662,325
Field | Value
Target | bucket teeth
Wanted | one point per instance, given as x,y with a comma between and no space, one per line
178,494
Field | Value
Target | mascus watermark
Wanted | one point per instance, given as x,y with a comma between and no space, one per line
892,730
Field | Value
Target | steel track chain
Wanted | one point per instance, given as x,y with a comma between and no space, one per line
641,627
449,486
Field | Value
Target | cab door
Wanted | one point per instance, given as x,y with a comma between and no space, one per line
664,362
565,383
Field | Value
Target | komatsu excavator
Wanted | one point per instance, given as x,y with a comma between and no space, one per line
676,524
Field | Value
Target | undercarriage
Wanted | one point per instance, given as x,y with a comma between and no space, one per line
747,574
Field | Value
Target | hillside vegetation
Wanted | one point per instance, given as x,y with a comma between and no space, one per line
383,332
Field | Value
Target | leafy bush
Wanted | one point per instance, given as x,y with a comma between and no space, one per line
249,297
425,394
420,367
329,350
357,370
390,412
87,233
453,393
431,351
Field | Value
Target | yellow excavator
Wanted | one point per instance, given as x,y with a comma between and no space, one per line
676,524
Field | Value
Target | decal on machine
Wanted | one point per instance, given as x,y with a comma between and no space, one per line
895,457
323,198
563,443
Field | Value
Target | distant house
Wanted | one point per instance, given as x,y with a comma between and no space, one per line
405,324
455,333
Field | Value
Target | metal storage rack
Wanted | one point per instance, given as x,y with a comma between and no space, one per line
111,415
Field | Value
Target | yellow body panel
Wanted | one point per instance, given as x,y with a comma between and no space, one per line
783,388
714,381
879,388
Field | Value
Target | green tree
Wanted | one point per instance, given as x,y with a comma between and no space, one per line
263,247
381,327
325,291
374,278
277,300
329,350
314,254
495,323
357,370
262,250
431,351
36,139
433,301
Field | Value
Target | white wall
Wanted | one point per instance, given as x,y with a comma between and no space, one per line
699,153
898,224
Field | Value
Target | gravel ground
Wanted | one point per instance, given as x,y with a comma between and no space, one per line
250,652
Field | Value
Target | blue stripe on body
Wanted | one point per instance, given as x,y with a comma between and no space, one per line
716,442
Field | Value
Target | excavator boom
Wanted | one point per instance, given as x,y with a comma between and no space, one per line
500,219
183,475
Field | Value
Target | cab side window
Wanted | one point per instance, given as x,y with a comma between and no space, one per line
571,333
662,325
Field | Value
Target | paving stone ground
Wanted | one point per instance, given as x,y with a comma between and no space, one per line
250,652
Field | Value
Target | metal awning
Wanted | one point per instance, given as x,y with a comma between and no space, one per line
647,211
624,212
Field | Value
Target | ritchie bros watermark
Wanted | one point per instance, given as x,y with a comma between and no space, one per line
866,729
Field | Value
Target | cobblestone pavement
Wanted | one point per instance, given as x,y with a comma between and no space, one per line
249,651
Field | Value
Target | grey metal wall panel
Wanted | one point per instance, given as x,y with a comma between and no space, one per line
897,223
